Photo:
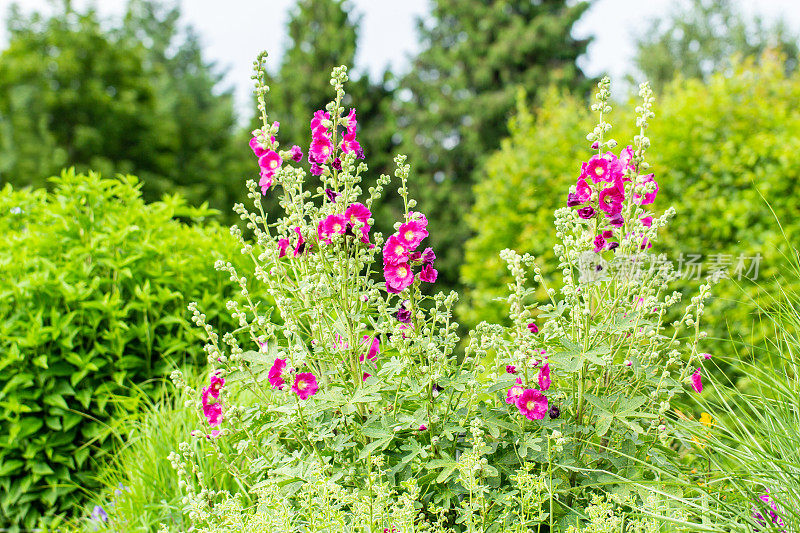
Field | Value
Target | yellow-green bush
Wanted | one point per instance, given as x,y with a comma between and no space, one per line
715,147
93,298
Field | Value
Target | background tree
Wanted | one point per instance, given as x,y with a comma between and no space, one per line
701,37
133,98
458,95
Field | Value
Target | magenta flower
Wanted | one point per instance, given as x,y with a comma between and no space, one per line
329,226
697,381
265,182
611,198
319,116
331,195
398,276
428,257
316,170
586,212
352,123
275,375
412,233
321,149
418,217
601,168
428,274
213,414
283,245
305,385
511,369
583,191
599,244
296,153
394,251
533,328
301,242
774,518
349,143
515,392
626,158
216,385
544,377
532,404
257,148
270,162
356,214
403,314
374,348
647,221
649,197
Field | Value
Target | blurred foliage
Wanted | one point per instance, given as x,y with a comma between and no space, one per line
94,295
456,100
716,148
134,98
701,37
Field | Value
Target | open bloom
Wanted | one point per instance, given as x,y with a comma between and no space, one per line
515,392
357,214
275,375
428,274
600,168
305,385
329,226
544,377
532,404
213,414
296,153
257,148
270,162
394,251
398,276
697,381
412,233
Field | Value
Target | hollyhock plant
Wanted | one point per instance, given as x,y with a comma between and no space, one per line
360,388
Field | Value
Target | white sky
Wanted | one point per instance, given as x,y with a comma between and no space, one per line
234,31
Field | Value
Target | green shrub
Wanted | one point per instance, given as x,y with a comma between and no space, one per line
94,295
721,145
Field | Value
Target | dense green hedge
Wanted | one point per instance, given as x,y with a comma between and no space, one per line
93,299
714,147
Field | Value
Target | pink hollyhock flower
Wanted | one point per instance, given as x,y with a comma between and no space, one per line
647,221
331,195
365,376
257,148
339,343
601,168
428,274
349,143
319,116
649,197
705,356
275,376
697,381
213,434
611,198
532,404
305,385
422,427
418,217
270,162
316,170
398,277
599,244
533,328
411,233
357,213
321,149
582,191
626,158
301,242
544,377
403,314
352,123
216,385
515,392
608,234
296,153
374,348
213,414
265,182
394,251
511,369
329,226
586,212
774,517
283,244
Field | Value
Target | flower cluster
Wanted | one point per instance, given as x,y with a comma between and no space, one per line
304,383
531,402
399,254
212,408
355,218
602,183
322,148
